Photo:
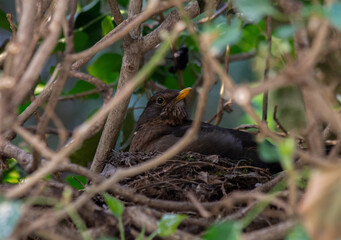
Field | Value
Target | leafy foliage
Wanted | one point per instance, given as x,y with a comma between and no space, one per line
106,67
298,233
243,27
268,152
3,21
255,10
225,34
107,25
14,173
75,181
115,206
92,28
286,149
168,224
225,230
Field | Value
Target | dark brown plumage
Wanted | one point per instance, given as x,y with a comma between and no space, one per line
164,121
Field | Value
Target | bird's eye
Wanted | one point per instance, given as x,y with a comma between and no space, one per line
160,100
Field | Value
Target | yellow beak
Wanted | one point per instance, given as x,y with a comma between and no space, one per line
183,94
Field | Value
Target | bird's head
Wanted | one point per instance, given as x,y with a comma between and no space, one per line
166,106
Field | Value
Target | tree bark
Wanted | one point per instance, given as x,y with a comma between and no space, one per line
130,66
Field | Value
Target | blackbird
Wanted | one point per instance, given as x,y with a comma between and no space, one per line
181,60
165,120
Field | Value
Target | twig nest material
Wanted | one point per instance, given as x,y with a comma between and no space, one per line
210,178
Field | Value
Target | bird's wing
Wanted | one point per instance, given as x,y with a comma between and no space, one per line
216,140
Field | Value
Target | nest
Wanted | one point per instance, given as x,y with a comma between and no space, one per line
206,188
209,178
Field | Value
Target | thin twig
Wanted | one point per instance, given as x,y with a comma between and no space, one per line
82,132
9,150
103,88
24,34
131,61
215,15
132,171
277,231
220,112
115,11
39,59
267,69
119,32
48,130
11,24
278,124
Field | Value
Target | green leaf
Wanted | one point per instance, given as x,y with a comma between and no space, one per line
89,21
268,152
188,76
252,35
89,12
168,224
107,67
334,13
80,41
286,150
115,205
10,213
226,35
107,25
85,154
51,70
285,31
298,233
39,88
60,47
317,10
81,86
123,3
254,10
14,173
141,235
22,107
3,21
223,231
11,176
76,181
291,109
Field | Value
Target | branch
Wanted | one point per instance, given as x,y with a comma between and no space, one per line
32,72
153,38
84,95
11,24
119,32
129,67
278,231
115,11
135,7
105,89
242,56
11,151
267,68
40,99
83,131
132,171
24,34
278,124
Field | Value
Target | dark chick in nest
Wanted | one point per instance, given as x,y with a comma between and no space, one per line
165,120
